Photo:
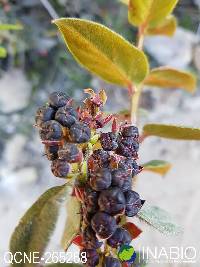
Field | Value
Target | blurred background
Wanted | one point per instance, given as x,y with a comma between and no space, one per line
37,63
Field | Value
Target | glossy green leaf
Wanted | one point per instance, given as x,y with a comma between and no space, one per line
166,27
149,12
159,219
14,27
172,131
35,228
3,52
157,166
103,51
166,77
72,226
64,265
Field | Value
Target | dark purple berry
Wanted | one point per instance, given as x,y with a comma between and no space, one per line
51,152
91,255
99,158
80,133
90,240
100,179
60,168
51,130
133,203
122,179
58,99
108,141
130,131
111,262
112,201
66,115
44,114
127,147
91,200
130,165
120,237
103,224
70,153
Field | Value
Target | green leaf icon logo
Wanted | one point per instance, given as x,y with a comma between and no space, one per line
127,253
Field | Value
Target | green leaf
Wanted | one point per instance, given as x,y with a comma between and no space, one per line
72,226
149,12
103,51
63,265
157,166
159,219
166,27
15,27
172,131
171,78
35,228
3,52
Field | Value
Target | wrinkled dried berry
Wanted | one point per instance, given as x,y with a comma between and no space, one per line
101,179
91,256
122,179
98,159
108,141
129,164
120,237
70,153
133,203
112,201
127,147
80,133
51,130
60,168
67,116
90,240
111,262
91,200
58,99
103,224
51,152
130,131
44,114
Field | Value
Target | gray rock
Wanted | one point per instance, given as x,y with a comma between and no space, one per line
14,151
197,2
197,57
176,51
15,91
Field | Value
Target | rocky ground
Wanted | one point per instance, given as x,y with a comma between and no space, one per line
25,174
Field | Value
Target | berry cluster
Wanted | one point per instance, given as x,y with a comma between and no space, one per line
61,131
107,193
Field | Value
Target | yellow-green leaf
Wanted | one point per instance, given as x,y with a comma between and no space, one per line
166,77
15,27
157,166
103,51
172,131
166,27
124,1
72,226
3,52
150,12
36,226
